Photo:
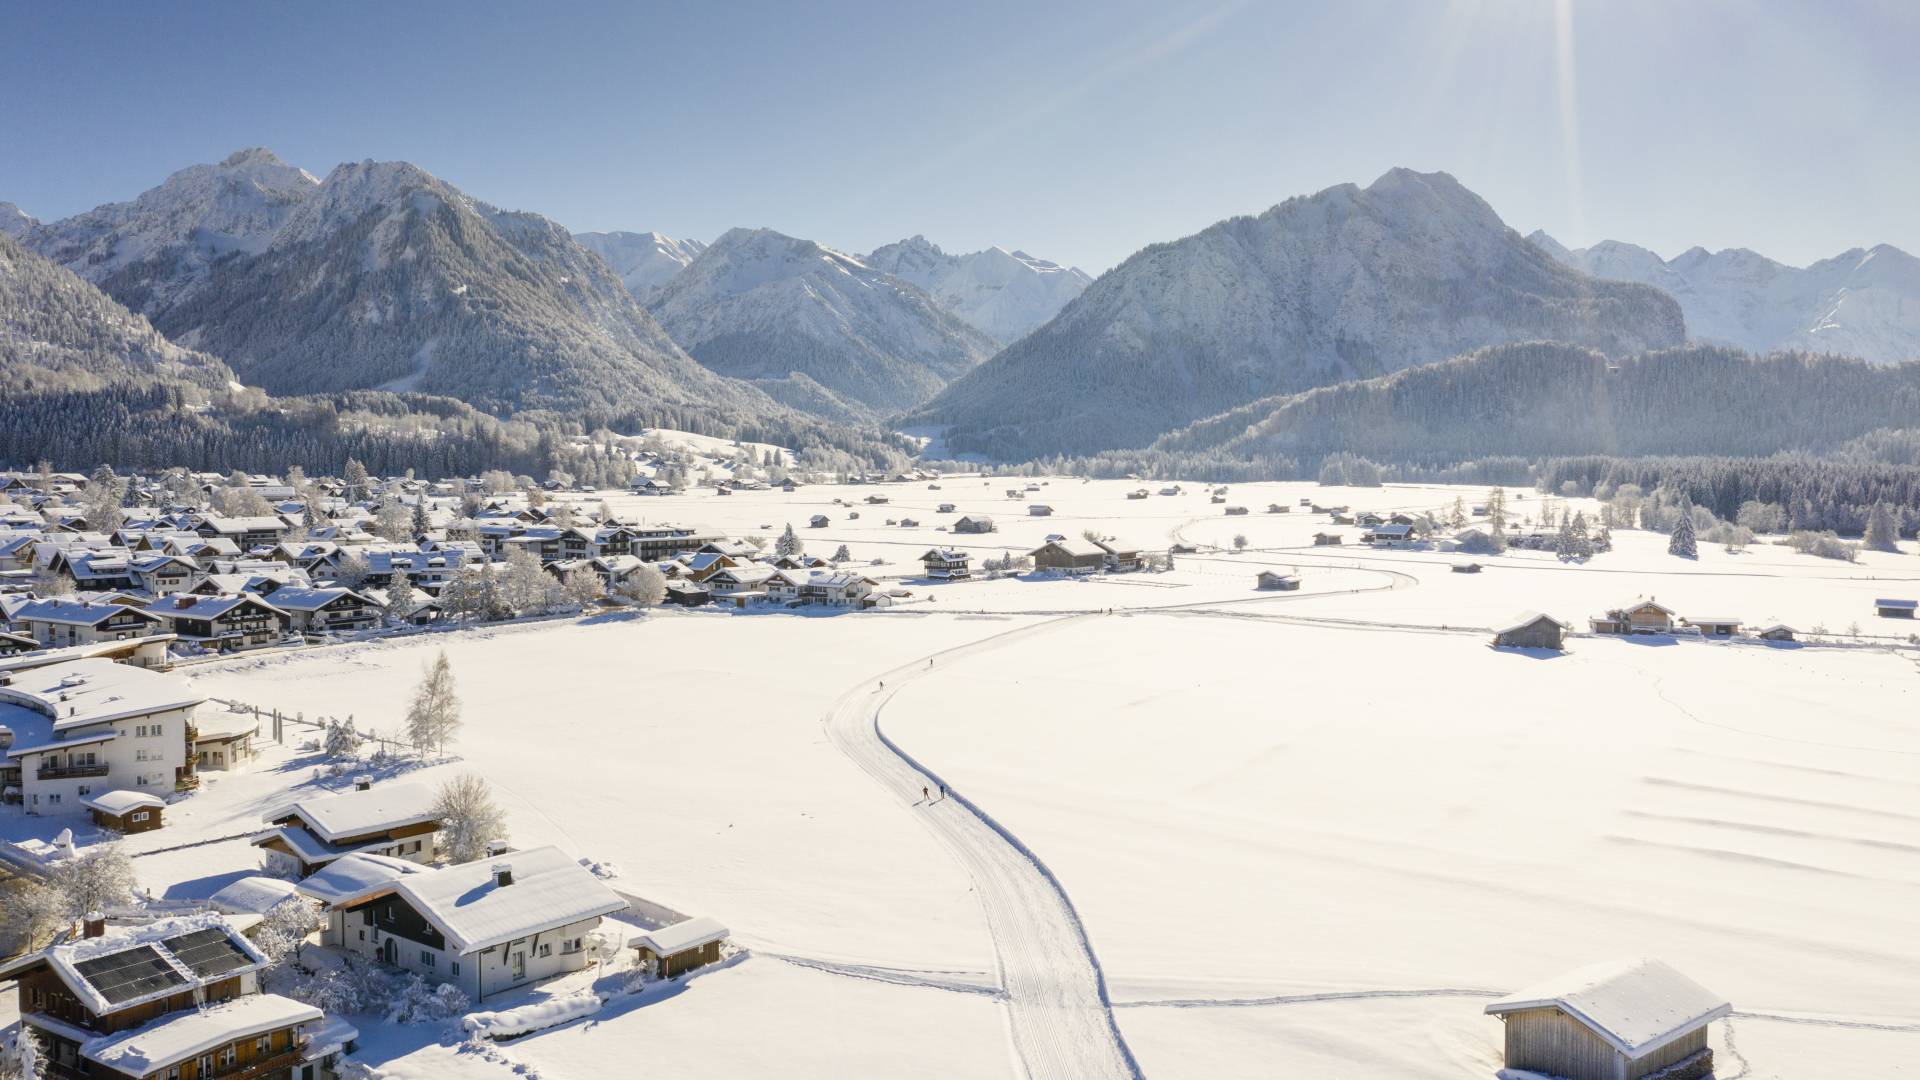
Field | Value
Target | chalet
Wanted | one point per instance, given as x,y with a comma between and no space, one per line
945,564
163,575
125,811
1274,579
1894,609
679,948
973,523
1777,632
841,588
738,579
100,570
1625,1020
1070,556
1532,631
172,998
56,622
1322,539
1710,626
326,611
1388,536
222,623
784,585
648,485
818,521
1039,510
245,532
395,820
203,551
1642,617
489,926
1121,557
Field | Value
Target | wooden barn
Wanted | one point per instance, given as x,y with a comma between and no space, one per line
125,811
1623,1020
1714,625
1894,609
1777,632
673,950
1641,617
1466,568
1321,539
1274,579
1532,631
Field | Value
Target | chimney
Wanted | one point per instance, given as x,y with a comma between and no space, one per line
362,783
503,874
182,602
93,924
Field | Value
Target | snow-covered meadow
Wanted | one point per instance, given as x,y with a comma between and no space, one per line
1308,832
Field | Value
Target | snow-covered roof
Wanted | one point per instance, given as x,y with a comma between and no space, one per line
1711,620
133,965
356,813
297,598
681,936
120,801
1907,604
356,876
79,693
224,724
1077,546
548,890
73,612
255,894
206,607
177,1036
1528,618
1636,1005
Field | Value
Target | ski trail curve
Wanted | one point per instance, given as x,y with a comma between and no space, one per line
1058,1013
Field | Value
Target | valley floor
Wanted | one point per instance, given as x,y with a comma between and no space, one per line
1281,833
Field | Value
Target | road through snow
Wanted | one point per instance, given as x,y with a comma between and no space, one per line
1058,1013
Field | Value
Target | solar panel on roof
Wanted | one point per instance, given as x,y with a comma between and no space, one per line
208,952
126,975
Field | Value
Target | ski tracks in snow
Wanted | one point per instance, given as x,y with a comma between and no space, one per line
1058,1013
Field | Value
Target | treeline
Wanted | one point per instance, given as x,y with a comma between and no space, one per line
1813,494
1546,399
159,426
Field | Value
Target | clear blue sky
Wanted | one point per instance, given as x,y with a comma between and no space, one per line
1079,131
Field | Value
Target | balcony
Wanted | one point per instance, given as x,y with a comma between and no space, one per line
70,772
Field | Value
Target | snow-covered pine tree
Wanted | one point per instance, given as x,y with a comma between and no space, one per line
1682,541
843,555
789,545
421,523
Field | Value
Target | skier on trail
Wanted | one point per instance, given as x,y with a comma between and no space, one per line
924,797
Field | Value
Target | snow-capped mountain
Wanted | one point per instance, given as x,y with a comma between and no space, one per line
154,251
59,332
1863,303
815,327
387,277
1003,294
14,221
1348,283
644,261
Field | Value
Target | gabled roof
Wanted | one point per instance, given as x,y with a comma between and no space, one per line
74,612
178,1036
134,965
465,903
120,801
255,894
1636,1005
1528,618
681,936
300,598
208,607
1900,604
357,813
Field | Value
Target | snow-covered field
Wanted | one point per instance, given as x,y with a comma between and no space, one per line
1303,834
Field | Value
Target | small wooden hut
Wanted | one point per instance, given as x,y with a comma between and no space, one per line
1622,1020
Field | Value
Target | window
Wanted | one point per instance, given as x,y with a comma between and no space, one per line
84,791
53,800
138,815
427,958
227,1055
546,948
206,1064
366,915
363,935
454,967
263,1044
